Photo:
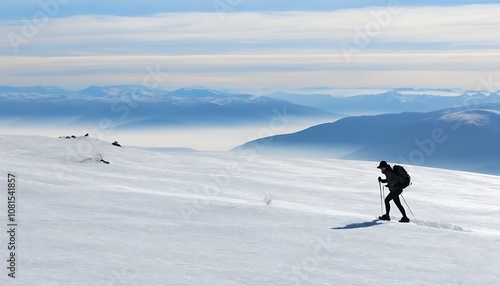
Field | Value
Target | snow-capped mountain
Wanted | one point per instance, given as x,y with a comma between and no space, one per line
463,139
147,104
34,90
169,218
397,100
142,106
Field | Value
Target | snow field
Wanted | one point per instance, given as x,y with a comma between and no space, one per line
153,218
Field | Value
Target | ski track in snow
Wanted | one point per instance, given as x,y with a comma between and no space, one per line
434,224
152,218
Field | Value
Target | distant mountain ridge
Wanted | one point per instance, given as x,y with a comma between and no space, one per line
140,106
389,102
462,139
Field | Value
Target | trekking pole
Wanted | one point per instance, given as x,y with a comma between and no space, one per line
409,209
381,197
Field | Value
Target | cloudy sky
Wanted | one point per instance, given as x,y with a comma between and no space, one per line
250,44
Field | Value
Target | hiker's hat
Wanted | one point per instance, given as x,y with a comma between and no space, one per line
383,164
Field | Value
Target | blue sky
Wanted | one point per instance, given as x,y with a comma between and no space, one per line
25,8
250,44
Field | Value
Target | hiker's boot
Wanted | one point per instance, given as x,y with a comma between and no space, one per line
384,217
404,219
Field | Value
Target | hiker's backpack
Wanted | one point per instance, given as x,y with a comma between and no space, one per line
405,178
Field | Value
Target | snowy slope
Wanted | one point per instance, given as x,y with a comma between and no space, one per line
152,218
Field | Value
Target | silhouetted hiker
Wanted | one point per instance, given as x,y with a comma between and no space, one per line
395,185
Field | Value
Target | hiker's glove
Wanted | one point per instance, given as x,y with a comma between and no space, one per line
379,179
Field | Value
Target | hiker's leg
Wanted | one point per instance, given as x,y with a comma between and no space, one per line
391,196
387,206
400,206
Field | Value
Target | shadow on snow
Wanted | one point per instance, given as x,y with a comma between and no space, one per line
445,226
360,224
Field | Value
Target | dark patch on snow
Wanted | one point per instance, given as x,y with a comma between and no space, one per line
360,225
